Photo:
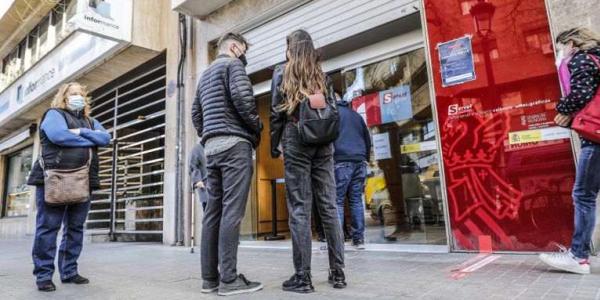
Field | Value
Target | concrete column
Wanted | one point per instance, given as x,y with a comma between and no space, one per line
170,188
200,62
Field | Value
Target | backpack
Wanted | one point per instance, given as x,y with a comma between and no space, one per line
318,120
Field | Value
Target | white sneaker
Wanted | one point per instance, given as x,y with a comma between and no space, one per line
359,245
566,261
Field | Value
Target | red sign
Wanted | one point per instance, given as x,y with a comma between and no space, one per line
509,170
369,107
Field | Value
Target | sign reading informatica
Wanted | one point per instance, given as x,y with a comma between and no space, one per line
456,61
111,19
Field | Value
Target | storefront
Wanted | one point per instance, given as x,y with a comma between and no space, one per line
422,192
94,43
15,201
371,50
129,204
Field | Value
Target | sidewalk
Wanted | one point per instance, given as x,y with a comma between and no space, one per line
153,271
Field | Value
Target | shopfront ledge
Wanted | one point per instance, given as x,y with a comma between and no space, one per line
13,228
317,246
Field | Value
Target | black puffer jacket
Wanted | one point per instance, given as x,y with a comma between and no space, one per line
225,103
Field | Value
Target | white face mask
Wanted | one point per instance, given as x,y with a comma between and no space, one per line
76,102
564,51
560,56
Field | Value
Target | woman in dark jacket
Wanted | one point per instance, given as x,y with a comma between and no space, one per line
578,63
67,134
308,169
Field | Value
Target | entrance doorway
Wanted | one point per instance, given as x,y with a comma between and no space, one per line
129,205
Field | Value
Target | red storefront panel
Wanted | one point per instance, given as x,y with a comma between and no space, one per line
509,170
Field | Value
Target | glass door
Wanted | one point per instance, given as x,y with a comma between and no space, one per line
403,195
16,199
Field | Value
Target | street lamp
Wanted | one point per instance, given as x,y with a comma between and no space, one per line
483,13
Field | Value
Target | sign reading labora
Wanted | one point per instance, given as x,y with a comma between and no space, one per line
508,169
74,56
111,19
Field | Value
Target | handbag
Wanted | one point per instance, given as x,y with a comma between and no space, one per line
67,186
318,122
587,121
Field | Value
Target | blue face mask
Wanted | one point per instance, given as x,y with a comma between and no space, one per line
76,103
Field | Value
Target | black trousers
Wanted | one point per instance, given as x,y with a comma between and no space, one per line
309,177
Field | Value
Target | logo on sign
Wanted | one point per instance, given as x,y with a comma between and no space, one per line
455,109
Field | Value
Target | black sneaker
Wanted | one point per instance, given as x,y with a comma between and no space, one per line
46,286
209,286
299,284
77,279
337,278
240,285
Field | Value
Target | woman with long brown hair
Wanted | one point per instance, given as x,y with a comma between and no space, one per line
69,139
309,172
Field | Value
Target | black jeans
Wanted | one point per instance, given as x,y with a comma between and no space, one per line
229,176
309,175
49,220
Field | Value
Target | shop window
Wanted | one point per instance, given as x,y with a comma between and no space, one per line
539,40
403,190
32,48
512,99
465,6
43,38
17,194
45,43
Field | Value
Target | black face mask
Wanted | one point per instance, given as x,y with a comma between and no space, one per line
243,59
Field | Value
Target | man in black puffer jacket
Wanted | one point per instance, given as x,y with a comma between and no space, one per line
226,118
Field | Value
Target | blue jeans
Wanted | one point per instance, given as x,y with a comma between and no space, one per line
48,222
350,181
587,184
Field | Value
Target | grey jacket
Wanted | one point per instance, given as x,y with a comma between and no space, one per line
197,165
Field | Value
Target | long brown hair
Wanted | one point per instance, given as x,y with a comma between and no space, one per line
582,38
60,99
303,75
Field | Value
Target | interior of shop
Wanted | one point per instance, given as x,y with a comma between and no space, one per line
403,196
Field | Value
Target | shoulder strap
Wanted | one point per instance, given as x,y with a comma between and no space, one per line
41,155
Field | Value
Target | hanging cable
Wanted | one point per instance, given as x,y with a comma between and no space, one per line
179,220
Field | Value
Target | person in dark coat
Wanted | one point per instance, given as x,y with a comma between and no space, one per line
352,152
309,176
67,134
226,117
198,174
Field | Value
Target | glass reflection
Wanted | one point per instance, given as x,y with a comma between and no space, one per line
403,195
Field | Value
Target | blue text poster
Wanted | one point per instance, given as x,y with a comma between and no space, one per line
456,61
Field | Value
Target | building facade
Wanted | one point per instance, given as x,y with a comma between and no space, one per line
378,49
142,62
111,47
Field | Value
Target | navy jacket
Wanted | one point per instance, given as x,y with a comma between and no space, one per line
354,142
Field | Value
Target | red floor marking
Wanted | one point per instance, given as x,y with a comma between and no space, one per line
473,264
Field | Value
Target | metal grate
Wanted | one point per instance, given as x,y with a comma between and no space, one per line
130,201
